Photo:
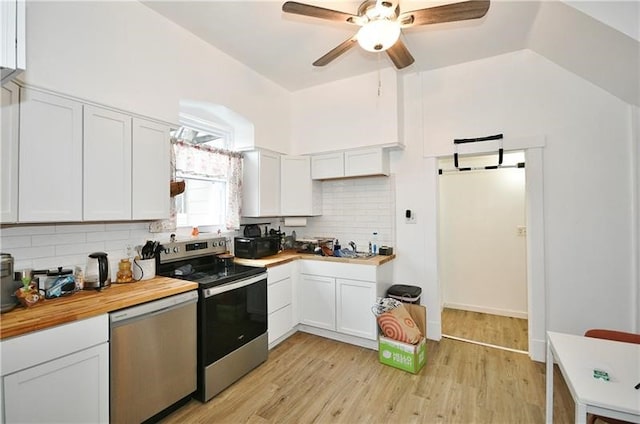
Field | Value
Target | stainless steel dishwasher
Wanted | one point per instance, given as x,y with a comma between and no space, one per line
153,357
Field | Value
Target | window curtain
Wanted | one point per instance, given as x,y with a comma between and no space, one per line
206,162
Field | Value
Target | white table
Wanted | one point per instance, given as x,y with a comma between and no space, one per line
577,357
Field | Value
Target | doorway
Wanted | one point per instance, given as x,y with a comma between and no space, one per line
482,251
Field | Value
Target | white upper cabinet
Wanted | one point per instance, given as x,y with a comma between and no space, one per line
261,184
107,164
366,162
50,174
12,38
299,194
150,170
9,154
327,166
350,163
82,162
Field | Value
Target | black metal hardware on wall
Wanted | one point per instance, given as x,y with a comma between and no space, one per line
458,141
456,163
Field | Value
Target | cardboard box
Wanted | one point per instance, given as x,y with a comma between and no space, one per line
406,356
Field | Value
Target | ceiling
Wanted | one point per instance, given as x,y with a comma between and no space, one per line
282,47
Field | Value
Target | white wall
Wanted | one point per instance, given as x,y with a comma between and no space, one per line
350,113
587,173
482,258
123,54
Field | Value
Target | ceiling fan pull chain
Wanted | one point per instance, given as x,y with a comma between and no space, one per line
379,78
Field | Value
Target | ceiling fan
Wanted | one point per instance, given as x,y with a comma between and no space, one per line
381,23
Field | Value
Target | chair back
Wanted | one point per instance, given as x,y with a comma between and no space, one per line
619,336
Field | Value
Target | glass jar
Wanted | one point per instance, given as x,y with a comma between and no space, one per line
124,271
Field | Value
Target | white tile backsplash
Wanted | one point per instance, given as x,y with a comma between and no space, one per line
39,246
352,209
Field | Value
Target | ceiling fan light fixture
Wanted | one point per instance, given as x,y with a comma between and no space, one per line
378,35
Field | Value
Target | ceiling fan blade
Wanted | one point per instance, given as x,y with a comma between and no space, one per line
399,55
319,12
343,47
473,9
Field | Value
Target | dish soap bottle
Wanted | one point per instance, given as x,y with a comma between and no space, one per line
374,242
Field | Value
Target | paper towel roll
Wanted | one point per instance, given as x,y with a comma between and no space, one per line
295,222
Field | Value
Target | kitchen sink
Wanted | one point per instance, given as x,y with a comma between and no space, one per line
356,255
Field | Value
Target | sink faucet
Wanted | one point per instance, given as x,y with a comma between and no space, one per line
353,246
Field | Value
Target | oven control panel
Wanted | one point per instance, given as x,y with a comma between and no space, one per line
193,248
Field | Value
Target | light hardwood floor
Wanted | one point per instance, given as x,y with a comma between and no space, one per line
486,328
310,379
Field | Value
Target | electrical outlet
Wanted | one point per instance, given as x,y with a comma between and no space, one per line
129,251
521,231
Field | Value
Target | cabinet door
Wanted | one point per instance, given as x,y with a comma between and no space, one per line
107,165
50,173
354,300
297,190
261,184
12,38
330,165
9,154
71,389
366,162
317,300
150,170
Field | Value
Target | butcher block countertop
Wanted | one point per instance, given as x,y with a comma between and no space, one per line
291,255
87,304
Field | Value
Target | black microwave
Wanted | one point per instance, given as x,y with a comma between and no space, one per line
256,247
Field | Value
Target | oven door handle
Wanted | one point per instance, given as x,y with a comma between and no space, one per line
232,286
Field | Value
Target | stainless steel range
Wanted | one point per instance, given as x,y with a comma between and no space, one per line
232,311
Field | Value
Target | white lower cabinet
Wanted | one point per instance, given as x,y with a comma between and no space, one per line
317,300
57,375
354,300
335,299
338,304
280,289
70,390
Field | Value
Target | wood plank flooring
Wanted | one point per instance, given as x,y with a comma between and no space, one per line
310,379
486,328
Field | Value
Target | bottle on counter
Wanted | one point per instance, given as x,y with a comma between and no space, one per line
374,241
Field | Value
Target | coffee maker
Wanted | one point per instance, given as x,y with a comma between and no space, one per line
8,285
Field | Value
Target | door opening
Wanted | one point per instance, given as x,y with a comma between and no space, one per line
482,251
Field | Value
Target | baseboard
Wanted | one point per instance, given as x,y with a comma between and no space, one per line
358,341
538,350
487,310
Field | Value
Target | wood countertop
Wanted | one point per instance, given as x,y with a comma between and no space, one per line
87,304
291,255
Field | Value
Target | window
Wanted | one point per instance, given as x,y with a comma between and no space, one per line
202,203
204,166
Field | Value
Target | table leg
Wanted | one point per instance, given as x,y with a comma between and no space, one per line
549,391
581,413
